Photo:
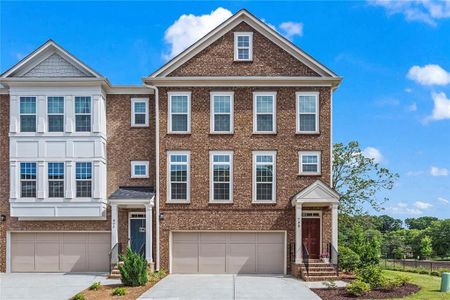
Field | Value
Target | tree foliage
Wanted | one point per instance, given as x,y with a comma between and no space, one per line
420,223
439,231
385,223
358,178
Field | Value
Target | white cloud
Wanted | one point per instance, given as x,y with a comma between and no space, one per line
412,107
189,28
443,200
422,205
429,75
414,173
374,154
408,90
435,171
441,109
404,209
291,29
426,11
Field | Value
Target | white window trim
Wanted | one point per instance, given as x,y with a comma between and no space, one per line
133,113
138,163
212,114
91,180
169,187
63,180
274,113
169,112
28,180
300,164
35,114
274,184
56,114
250,45
82,114
211,176
297,109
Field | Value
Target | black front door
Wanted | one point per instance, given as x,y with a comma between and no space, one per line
137,235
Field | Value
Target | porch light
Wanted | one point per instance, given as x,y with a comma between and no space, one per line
161,216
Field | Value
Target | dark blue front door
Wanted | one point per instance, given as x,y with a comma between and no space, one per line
137,235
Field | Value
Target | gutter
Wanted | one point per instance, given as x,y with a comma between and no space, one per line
157,262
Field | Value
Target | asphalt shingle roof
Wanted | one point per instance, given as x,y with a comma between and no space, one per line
133,192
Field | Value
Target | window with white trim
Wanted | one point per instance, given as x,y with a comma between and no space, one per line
222,112
28,180
179,112
309,162
221,176
83,114
139,169
55,111
243,46
27,114
139,112
307,112
264,112
264,176
84,179
178,176
56,180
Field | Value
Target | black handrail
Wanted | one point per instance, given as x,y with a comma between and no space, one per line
305,258
334,257
114,256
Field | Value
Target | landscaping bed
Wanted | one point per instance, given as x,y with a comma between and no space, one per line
105,292
341,293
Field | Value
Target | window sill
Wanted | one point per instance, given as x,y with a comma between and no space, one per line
219,202
309,174
139,126
264,132
221,132
307,132
243,60
179,132
177,202
140,177
264,202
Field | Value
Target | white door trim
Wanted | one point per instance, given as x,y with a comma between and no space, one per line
314,217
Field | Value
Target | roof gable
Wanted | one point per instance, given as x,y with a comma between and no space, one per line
317,192
50,61
259,26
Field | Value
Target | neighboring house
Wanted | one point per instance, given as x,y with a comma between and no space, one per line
219,163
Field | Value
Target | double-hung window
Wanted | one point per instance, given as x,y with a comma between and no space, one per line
179,112
139,169
28,180
56,180
264,177
83,114
243,46
264,112
55,111
221,176
28,114
139,112
309,162
178,177
221,112
84,179
307,112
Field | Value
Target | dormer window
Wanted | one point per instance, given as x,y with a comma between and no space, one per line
243,46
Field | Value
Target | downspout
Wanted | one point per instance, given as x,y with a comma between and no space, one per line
157,171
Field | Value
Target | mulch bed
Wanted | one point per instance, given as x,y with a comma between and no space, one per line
341,293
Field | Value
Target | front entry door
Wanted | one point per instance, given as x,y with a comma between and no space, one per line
311,236
137,235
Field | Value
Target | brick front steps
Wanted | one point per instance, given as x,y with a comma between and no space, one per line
318,271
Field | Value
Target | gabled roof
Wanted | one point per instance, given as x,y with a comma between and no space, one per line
48,55
243,16
317,192
133,192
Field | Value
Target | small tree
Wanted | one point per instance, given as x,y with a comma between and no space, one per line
426,247
134,269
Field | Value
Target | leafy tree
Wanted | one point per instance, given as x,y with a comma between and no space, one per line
385,223
420,223
393,244
439,231
367,244
426,248
358,178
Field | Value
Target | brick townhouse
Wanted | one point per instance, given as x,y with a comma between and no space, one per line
220,162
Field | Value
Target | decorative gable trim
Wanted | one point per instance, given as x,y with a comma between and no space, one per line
43,53
318,192
264,29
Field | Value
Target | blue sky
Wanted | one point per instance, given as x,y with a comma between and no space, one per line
394,58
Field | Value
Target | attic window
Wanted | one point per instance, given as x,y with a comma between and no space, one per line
243,46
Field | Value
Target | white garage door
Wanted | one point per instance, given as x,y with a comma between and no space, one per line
228,252
60,252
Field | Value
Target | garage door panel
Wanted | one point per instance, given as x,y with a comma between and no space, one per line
47,255
98,261
182,237
270,238
212,258
74,257
185,258
270,258
213,237
242,259
22,253
243,237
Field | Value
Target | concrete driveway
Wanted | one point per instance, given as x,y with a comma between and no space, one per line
224,287
48,286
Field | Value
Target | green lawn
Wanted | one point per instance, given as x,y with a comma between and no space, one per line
429,285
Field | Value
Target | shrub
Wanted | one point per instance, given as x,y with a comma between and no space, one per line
120,291
371,275
357,288
403,279
389,284
435,273
78,296
348,259
134,269
95,286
